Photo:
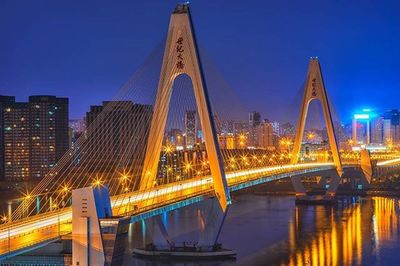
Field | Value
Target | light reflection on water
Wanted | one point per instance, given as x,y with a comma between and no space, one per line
273,231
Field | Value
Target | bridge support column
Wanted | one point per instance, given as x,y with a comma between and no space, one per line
366,168
333,184
96,235
328,180
196,226
298,186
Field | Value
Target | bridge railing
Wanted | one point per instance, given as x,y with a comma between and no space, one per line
45,227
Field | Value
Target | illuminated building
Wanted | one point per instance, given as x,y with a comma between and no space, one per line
14,140
276,128
227,141
190,129
387,134
392,131
288,130
175,138
254,122
34,136
361,129
377,130
265,135
122,126
49,132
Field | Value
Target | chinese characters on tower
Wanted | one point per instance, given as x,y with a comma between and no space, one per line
313,84
179,51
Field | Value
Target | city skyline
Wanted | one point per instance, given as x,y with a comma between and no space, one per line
168,166
53,64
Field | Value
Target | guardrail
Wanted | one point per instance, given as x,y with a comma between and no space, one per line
161,204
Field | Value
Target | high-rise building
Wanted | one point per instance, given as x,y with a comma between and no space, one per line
49,132
175,138
276,128
77,125
15,140
288,130
265,134
377,130
226,141
254,122
115,133
361,128
34,136
254,119
190,129
394,117
387,130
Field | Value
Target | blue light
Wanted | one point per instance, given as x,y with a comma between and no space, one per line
361,116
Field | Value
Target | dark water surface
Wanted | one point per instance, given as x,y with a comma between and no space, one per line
271,230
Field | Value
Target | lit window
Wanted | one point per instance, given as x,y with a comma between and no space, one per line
8,128
8,110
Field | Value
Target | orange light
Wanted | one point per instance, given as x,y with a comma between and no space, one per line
97,182
188,166
168,149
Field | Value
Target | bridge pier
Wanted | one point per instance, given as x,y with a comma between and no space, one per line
96,235
196,226
328,180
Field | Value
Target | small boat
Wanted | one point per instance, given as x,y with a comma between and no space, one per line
186,252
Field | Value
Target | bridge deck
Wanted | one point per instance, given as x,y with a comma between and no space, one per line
35,230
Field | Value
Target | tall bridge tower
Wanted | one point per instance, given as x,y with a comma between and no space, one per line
181,56
315,90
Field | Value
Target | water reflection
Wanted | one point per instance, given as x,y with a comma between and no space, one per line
339,233
273,231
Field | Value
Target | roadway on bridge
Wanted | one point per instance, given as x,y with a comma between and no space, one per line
48,226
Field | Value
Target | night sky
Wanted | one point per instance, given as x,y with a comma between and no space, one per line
86,49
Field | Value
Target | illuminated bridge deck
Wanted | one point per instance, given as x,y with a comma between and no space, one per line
38,230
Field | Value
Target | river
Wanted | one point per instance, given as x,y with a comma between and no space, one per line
272,230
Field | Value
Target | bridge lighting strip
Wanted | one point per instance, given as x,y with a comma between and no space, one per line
388,162
66,215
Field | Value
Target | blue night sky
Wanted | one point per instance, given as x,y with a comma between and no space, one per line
86,49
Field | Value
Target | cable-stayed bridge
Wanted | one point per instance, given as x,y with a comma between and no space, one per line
130,165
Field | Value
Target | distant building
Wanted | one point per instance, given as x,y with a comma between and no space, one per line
116,132
361,128
288,130
387,130
276,128
227,141
34,136
175,138
254,122
77,125
377,130
254,119
190,129
394,117
265,135
240,128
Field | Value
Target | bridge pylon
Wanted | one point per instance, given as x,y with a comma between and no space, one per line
181,56
315,90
